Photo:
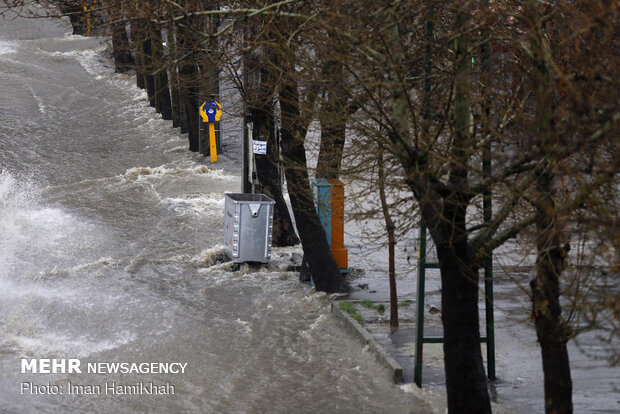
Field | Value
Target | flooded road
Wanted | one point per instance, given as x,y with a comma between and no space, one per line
109,229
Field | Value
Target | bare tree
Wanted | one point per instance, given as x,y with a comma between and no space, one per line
545,112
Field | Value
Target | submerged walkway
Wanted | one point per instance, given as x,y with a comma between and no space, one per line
519,386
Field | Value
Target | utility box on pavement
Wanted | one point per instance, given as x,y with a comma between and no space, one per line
248,226
329,200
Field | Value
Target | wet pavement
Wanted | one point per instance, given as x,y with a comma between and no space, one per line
518,387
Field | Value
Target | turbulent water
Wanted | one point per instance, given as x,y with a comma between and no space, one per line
109,229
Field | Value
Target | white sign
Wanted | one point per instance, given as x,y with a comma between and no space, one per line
260,147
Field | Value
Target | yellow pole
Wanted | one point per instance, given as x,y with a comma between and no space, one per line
87,10
212,146
211,114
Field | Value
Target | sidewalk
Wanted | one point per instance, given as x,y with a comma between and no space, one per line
519,384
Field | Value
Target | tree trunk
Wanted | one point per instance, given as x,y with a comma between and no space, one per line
389,227
76,15
551,329
190,94
333,119
162,90
331,150
322,265
444,215
175,100
259,85
155,67
137,34
466,381
209,71
148,64
189,84
335,108
269,177
123,60
465,377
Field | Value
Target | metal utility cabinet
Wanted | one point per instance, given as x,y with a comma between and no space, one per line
329,200
248,226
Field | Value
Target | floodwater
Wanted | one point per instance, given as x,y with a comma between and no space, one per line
109,229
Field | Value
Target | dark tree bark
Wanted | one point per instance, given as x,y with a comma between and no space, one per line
443,209
189,83
163,103
123,59
335,111
148,64
190,92
259,86
76,15
465,377
174,78
551,329
209,73
322,265
137,37
389,227
331,149
269,177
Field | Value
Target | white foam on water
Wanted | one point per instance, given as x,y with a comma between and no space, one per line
15,198
211,256
95,268
92,61
13,292
38,99
38,243
124,82
203,204
7,47
28,229
9,187
71,36
141,172
314,326
97,64
246,325
32,322
63,345
182,172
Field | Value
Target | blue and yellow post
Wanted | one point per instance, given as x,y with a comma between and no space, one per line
329,199
211,112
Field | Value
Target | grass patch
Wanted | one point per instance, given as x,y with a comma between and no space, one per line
372,305
349,308
405,303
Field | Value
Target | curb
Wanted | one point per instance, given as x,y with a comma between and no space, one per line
366,338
